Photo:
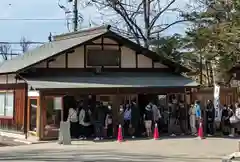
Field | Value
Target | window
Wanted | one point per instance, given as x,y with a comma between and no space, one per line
33,115
103,57
6,104
53,116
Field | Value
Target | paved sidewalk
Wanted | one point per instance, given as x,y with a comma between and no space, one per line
166,150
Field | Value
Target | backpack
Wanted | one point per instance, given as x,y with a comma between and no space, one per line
149,115
86,117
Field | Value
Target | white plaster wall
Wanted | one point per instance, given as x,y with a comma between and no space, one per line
4,79
107,40
144,62
41,65
159,65
128,58
76,59
59,62
33,93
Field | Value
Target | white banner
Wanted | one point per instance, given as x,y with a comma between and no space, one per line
216,103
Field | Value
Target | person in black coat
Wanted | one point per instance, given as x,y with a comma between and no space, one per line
135,119
210,116
182,116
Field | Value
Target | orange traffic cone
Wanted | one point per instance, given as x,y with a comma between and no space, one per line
200,130
120,137
156,133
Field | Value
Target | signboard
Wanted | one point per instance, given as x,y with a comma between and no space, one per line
57,103
216,102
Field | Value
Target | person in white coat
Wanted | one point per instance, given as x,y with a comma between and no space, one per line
235,126
73,119
192,119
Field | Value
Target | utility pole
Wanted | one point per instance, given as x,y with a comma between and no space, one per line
75,15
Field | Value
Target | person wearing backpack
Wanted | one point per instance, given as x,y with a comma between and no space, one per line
148,119
85,121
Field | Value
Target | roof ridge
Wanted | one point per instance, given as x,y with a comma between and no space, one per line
83,32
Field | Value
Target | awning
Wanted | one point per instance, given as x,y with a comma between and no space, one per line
113,81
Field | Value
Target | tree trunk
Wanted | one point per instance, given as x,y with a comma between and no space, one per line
146,7
207,73
201,69
211,73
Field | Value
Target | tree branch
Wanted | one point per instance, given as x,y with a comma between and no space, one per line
137,10
126,17
159,14
168,26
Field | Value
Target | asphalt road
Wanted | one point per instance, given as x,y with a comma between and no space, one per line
8,141
165,150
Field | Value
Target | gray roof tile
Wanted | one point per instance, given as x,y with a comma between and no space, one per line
107,81
70,40
45,51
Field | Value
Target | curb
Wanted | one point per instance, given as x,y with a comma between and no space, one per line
22,141
230,157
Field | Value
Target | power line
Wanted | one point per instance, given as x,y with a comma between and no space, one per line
32,19
21,42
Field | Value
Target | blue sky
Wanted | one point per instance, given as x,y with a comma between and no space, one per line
39,30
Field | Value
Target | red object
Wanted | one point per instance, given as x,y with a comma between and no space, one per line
156,133
120,137
200,130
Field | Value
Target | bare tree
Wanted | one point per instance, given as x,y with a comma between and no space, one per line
141,18
24,43
5,51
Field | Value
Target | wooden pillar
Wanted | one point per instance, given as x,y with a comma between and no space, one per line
28,114
43,102
115,109
25,112
40,116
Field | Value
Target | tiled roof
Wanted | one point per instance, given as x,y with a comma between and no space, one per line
69,41
124,80
45,51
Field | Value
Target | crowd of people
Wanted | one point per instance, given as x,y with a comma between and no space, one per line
229,119
100,122
87,122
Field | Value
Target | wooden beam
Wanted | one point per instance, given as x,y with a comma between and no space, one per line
136,59
120,56
85,55
47,64
11,86
102,43
66,60
127,90
76,71
106,44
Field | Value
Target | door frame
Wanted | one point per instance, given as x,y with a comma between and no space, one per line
29,114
